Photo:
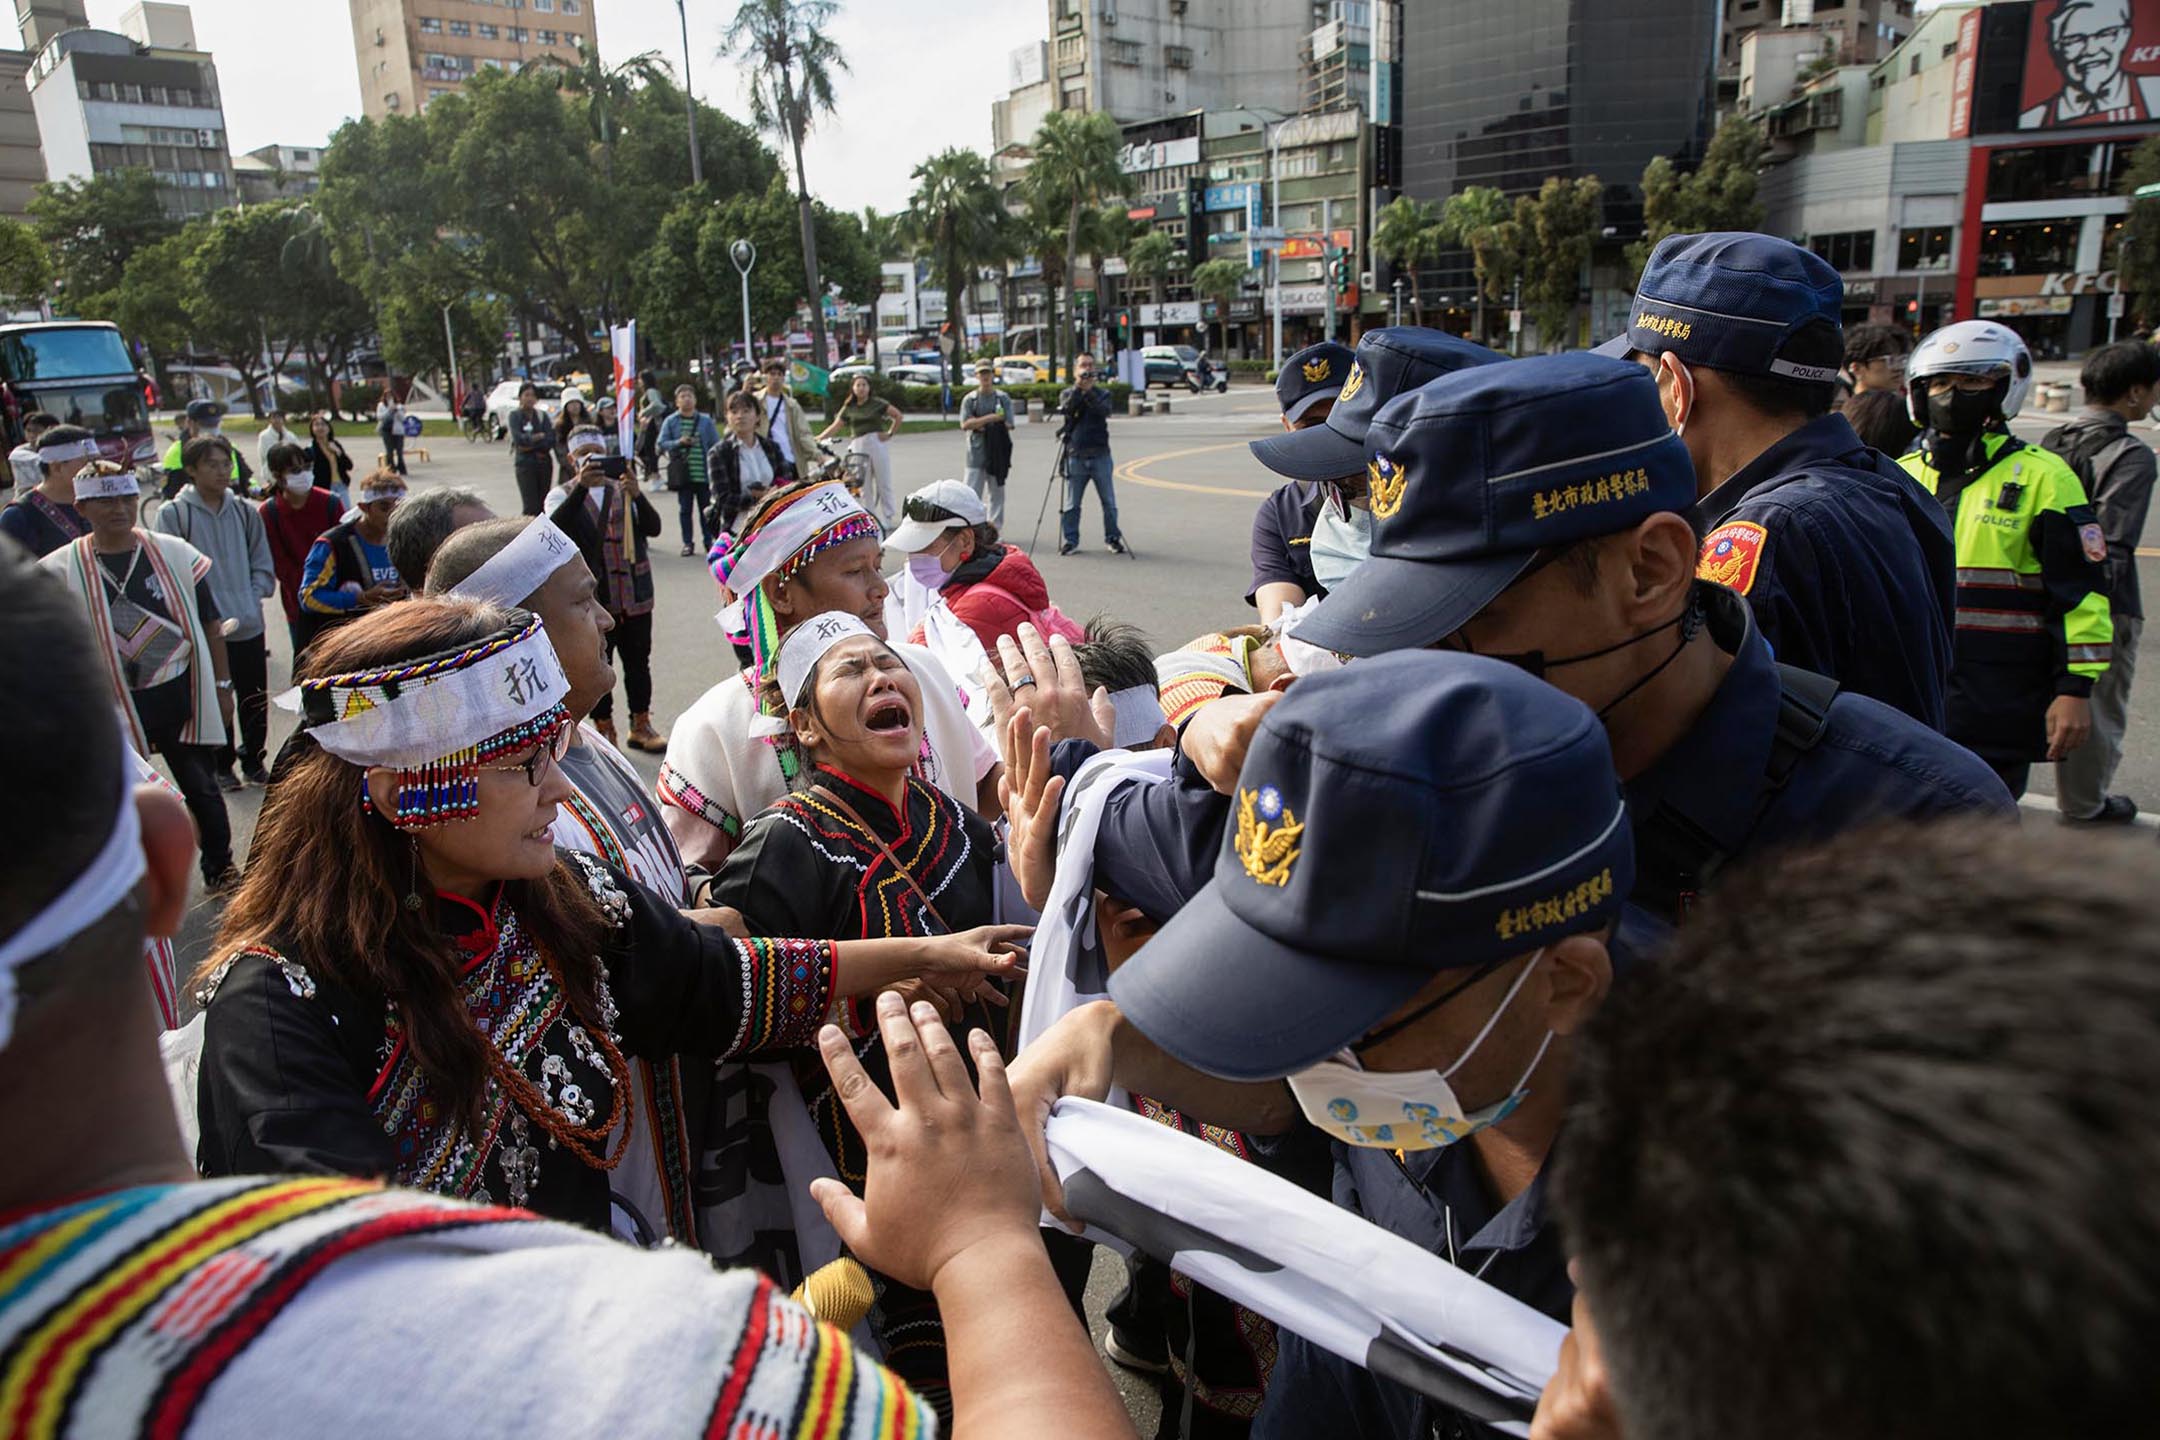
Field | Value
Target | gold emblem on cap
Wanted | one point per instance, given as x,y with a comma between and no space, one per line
1317,370
1352,383
1267,836
1384,482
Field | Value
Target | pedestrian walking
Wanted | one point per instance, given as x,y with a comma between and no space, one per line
870,423
275,432
2116,467
782,419
390,429
474,412
229,533
43,518
986,414
686,438
1086,408
297,513
532,449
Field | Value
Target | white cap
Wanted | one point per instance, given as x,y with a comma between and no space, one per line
955,497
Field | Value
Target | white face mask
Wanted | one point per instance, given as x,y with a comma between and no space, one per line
1340,543
928,569
299,482
1406,1109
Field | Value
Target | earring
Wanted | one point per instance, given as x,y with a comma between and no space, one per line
412,884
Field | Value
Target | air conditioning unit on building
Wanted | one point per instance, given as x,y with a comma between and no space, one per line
206,139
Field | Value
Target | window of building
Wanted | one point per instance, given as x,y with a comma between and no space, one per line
1177,57
2056,172
461,28
571,7
1847,249
1925,249
2029,247
1124,52
429,25
487,31
1073,97
517,33
132,94
545,7
1912,66
547,37
436,92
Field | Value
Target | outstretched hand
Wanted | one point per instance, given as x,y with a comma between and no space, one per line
948,1169
1046,679
1030,795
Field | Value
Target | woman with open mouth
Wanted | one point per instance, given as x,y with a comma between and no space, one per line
864,848
413,982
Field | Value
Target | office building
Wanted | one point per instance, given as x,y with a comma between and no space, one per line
22,158
1848,32
146,98
413,51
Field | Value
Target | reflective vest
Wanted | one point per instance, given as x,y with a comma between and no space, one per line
2032,608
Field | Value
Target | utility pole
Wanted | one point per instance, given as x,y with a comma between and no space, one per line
697,165
450,342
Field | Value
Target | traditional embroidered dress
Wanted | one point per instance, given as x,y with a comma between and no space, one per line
333,1307
301,1075
806,863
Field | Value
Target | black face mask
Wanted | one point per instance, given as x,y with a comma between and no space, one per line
1535,664
1963,412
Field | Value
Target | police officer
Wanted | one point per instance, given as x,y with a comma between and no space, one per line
1408,922
1325,460
1306,388
203,417
1540,511
1847,566
2033,628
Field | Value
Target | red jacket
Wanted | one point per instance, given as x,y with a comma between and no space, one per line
292,533
989,614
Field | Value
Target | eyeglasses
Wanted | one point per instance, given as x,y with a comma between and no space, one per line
2104,39
545,754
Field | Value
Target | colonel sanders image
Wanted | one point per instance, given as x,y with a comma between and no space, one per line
2088,40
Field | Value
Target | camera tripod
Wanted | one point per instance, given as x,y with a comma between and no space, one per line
1057,481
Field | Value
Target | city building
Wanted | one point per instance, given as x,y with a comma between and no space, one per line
142,97
22,157
1507,94
2053,99
413,51
278,172
1850,32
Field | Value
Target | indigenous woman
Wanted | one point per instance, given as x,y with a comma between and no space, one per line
804,551
863,849
416,984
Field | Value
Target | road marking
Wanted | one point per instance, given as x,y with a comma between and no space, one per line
2046,805
1130,472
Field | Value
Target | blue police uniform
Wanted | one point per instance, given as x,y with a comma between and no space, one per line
1283,525
1851,573
1847,563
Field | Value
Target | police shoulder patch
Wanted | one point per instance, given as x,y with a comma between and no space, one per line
2094,540
1731,554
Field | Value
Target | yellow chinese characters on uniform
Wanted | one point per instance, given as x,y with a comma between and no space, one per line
1544,504
1554,909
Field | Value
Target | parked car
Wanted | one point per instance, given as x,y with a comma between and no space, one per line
1180,365
83,372
917,372
504,398
1038,367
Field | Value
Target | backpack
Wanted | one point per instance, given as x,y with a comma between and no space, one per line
2082,451
1050,620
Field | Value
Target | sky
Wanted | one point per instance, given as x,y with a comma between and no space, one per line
922,75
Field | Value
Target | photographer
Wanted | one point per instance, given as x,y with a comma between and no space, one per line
1085,407
605,513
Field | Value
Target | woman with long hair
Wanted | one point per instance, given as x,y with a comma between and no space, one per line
804,550
870,424
414,983
864,848
326,453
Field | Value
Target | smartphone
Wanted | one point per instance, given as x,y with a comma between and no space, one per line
615,466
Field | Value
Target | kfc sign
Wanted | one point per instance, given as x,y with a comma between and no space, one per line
2091,62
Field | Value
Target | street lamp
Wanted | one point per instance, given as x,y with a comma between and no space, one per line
744,254
1398,299
697,166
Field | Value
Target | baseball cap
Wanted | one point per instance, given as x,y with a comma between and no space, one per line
1739,301
1313,374
985,365
1476,473
931,511
1422,812
1387,363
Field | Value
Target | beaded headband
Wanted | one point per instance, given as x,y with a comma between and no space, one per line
790,537
439,720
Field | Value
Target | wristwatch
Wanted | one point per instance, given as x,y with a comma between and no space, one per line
224,684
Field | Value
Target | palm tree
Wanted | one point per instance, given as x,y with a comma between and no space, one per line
1147,261
1073,169
1107,231
607,90
1482,220
791,62
954,218
1221,281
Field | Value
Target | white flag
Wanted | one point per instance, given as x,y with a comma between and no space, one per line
622,342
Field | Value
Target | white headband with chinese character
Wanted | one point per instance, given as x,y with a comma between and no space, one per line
807,643
522,566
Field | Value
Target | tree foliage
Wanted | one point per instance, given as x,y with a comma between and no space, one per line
1073,170
1718,195
1406,233
1556,228
1152,257
26,266
2138,264
92,228
956,220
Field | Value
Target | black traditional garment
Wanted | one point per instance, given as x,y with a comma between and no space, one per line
808,866
299,1074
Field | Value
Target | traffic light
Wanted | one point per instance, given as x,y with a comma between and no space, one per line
1912,307
1339,275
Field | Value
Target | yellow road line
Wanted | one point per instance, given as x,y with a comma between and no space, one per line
2148,550
1130,472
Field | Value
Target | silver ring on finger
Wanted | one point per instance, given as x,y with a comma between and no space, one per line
1021,684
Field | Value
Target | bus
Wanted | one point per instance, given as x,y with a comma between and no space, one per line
82,372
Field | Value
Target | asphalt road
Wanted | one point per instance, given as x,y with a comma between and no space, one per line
1186,488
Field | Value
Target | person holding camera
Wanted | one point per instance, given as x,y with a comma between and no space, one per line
1086,408
605,513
